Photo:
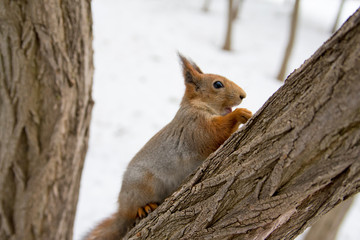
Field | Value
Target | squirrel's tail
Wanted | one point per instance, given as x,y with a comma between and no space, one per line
113,228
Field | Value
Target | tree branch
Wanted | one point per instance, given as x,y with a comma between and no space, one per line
295,160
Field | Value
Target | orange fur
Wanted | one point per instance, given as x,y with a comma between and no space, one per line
223,126
106,230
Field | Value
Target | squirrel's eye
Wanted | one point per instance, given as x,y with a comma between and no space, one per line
218,84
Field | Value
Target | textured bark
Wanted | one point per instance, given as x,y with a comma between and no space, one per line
295,160
291,41
46,74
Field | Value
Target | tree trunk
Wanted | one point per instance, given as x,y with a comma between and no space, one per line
230,20
46,74
295,160
236,9
206,5
290,45
327,227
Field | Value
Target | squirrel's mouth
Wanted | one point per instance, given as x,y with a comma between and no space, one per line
227,111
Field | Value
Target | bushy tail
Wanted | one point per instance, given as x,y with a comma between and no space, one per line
112,228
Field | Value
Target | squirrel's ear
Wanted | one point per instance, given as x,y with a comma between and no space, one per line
196,67
190,70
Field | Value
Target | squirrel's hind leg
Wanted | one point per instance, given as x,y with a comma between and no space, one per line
140,190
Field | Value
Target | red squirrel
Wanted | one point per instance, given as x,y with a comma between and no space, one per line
203,122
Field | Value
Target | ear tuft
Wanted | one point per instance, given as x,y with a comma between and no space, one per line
190,62
190,69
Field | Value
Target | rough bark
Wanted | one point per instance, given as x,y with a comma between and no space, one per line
295,160
291,41
327,227
46,74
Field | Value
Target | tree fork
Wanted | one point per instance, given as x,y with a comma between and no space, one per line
295,160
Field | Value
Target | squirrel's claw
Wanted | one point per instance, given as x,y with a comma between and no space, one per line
153,206
142,212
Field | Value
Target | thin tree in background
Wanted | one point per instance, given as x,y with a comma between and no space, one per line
338,16
290,45
46,70
230,20
294,161
206,5
328,226
237,8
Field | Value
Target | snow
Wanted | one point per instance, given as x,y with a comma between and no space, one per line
138,83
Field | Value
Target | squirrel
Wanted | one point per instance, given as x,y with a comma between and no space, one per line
203,122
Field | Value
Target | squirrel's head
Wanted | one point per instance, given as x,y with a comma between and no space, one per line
210,90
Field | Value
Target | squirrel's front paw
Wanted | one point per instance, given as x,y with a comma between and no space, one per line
243,114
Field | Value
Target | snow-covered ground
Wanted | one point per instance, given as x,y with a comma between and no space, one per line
138,84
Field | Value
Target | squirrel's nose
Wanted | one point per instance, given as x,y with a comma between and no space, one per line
242,93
